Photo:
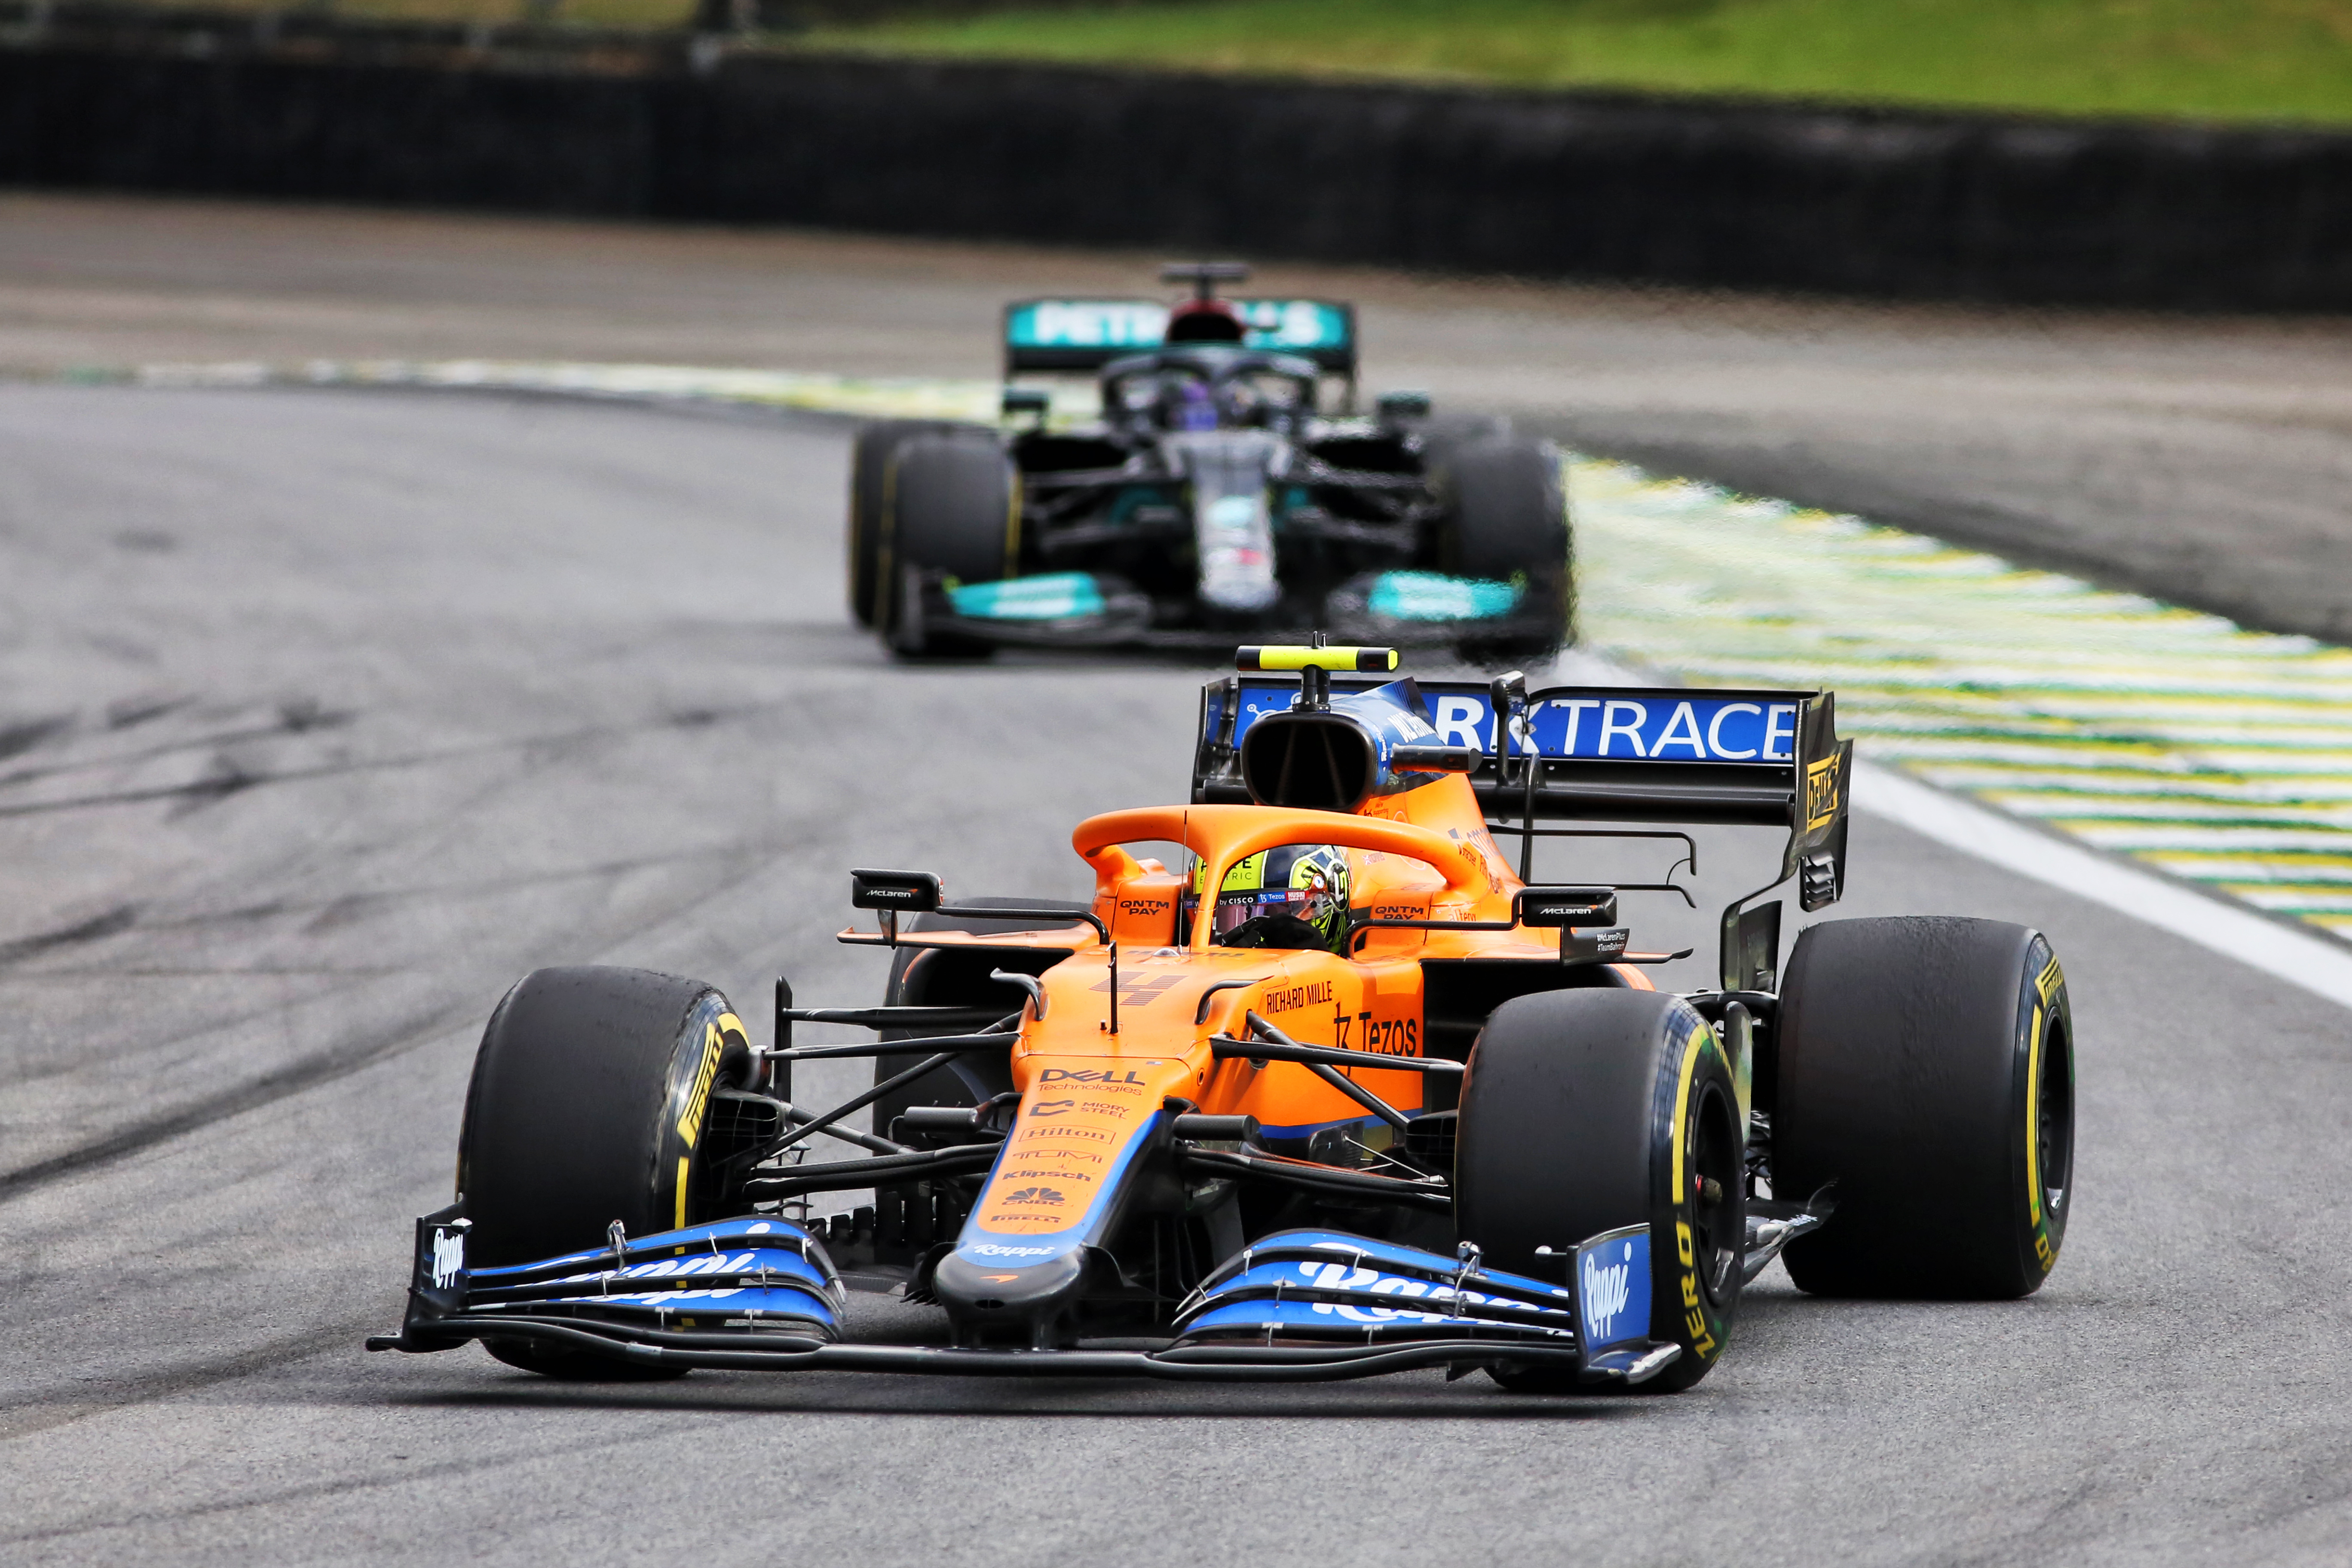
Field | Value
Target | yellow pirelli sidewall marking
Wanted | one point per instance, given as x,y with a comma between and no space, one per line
681,1192
1698,1037
2033,1115
1703,1342
697,1098
2045,987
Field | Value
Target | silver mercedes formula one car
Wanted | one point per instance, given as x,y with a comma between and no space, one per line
1228,487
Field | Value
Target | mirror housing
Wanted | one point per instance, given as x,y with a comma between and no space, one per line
902,893
1571,908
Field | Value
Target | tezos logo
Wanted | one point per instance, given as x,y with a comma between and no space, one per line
1607,1288
1034,1196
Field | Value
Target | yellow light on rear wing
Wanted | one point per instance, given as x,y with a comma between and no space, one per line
1340,660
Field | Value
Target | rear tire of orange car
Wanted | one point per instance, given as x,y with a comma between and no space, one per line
1927,1067
1572,1110
572,1120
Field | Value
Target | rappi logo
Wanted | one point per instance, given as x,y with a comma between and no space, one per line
998,1250
1034,1196
448,1257
1607,1288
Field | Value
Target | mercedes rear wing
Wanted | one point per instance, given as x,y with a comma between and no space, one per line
1665,756
1087,334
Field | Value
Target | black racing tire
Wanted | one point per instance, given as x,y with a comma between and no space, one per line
588,1098
1588,1111
1506,520
1927,1065
952,503
869,455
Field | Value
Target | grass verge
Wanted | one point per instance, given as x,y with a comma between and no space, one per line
2285,61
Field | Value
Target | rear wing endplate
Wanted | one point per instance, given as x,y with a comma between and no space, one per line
1086,334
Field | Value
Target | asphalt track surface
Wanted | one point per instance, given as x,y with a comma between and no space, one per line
333,712
2202,461
326,714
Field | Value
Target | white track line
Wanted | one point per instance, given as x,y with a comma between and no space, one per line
2314,962
2308,960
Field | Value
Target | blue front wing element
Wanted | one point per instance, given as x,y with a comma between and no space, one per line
1309,1285
739,1274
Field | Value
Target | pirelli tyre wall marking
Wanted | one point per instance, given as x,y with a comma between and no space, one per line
2217,754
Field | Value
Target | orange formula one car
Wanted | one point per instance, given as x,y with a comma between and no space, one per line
1341,1094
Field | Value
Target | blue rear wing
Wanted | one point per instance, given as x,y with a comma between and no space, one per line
1086,334
1598,753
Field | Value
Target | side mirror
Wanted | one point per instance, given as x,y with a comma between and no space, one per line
1394,406
903,893
1568,907
1028,400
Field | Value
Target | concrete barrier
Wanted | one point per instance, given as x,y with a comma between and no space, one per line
1692,192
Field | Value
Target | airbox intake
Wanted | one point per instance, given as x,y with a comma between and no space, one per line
1314,761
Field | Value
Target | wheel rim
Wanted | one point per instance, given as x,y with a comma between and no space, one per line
2053,1132
1716,1156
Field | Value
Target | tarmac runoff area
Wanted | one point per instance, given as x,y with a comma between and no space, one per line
331,712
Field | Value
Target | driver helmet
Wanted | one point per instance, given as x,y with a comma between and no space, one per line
1293,896
1195,408
1204,321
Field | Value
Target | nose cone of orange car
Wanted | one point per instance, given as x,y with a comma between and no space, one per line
1090,1130
992,1298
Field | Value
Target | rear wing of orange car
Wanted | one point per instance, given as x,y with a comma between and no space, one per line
1631,754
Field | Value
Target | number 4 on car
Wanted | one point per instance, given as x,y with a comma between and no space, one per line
1343,1092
